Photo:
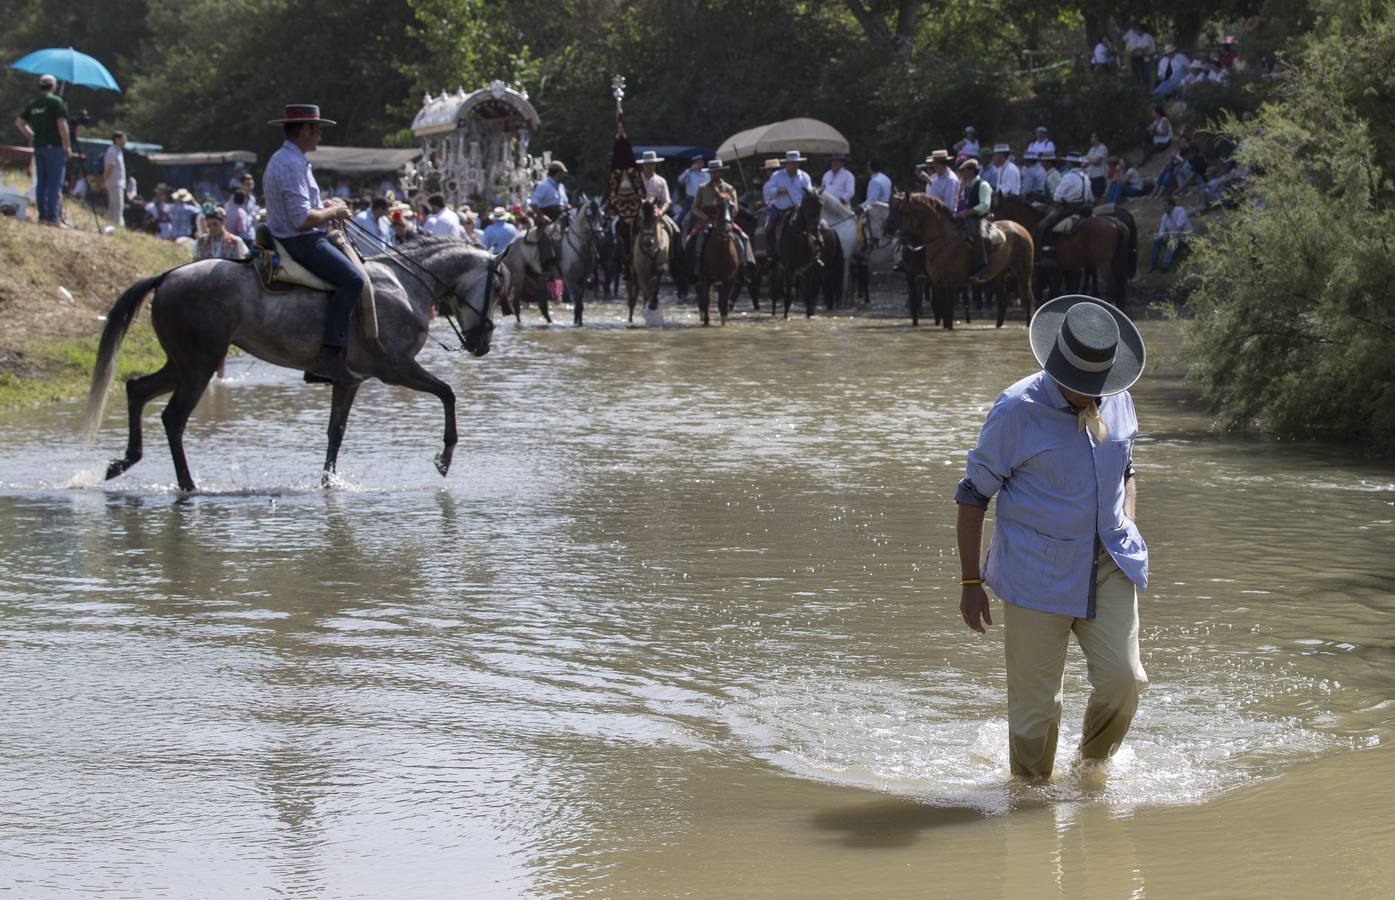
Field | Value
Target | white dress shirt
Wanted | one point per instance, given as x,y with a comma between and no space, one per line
840,184
1175,222
1044,147
945,188
1010,179
878,189
1074,188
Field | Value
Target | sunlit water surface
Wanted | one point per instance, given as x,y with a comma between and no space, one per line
681,622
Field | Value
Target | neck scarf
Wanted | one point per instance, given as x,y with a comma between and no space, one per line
1089,417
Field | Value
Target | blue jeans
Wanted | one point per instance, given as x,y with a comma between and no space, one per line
1159,243
1169,85
1118,191
50,164
316,253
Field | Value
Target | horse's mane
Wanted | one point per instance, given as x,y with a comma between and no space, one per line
420,249
935,203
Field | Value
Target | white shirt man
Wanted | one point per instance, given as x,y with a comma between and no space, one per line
1043,146
1074,188
787,186
838,181
656,188
372,223
1139,42
1172,63
443,221
1008,179
1175,222
114,178
1102,56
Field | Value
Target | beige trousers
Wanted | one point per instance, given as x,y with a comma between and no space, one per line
1036,645
116,204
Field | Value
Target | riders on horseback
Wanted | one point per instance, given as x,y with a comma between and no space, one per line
298,219
978,201
785,189
709,205
656,187
943,184
1073,196
549,201
838,181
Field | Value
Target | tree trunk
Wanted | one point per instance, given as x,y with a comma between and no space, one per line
869,16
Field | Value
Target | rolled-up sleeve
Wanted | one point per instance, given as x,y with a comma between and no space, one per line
991,461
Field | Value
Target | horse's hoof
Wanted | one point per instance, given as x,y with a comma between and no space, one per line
442,464
115,468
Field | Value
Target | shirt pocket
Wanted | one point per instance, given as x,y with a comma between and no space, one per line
1054,466
1058,558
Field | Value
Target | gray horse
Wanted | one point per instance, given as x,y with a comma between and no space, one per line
582,231
201,308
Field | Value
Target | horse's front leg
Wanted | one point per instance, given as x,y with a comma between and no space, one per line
340,404
418,379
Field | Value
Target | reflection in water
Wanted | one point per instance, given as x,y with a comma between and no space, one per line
681,622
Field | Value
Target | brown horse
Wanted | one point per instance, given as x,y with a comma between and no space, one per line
808,257
719,266
649,258
1101,243
948,258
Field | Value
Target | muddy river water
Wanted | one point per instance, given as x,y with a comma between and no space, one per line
682,622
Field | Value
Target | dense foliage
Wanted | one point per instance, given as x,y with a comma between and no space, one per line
1295,303
898,77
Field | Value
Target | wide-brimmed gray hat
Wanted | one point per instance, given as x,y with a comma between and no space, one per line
1087,345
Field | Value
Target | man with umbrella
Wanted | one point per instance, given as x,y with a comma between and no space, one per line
44,123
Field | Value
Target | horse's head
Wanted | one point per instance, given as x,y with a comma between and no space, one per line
811,207
924,215
893,213
477,292
595,220
647,212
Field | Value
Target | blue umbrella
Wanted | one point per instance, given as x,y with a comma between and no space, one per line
70,66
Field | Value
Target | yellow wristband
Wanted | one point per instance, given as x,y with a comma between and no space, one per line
970,582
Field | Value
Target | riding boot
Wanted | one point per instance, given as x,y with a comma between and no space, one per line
331,365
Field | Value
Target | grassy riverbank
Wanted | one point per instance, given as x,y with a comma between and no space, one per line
48,343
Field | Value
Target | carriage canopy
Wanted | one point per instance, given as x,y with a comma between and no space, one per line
804,135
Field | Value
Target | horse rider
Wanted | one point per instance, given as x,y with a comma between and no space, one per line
767,193
1073,196
878,184
656,188
708,205
838,180
978,202
299,220
943,184
789,185
549,201
694,177
1043,146
1009,182
1033,179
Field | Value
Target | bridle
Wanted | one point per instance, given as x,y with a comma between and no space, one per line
446,291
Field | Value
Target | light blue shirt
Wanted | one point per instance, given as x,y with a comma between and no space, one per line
795,185
692,180
291,192
377,228
1034,180
498,236
878,189
1059,493
549,192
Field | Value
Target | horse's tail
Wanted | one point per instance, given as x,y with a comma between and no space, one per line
119,319
1123,215
1120,268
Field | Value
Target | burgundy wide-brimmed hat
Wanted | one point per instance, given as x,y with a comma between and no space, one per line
297,113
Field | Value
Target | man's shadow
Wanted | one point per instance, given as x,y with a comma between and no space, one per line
889,821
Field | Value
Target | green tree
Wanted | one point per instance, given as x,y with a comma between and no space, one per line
1294,324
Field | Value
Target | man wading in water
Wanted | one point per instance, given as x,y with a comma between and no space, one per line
1057,451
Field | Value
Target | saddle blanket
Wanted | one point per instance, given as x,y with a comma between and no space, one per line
1069,225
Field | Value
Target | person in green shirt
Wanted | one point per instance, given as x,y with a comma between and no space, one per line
44,123
978,200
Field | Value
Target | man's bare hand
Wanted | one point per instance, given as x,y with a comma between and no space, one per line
973,606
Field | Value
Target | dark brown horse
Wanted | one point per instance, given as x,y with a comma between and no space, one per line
808,257
1101,243
720,265
948,258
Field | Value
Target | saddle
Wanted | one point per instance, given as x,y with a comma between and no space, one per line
278,273
1070,224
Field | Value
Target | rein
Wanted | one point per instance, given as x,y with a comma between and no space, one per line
446,291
